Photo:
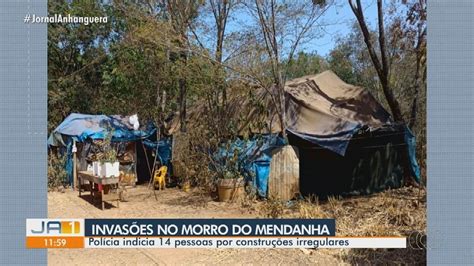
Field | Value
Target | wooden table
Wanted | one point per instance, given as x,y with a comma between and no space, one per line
98,185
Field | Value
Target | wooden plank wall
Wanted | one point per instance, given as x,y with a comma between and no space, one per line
284,177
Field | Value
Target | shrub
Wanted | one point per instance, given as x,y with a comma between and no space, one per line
273,208
57,175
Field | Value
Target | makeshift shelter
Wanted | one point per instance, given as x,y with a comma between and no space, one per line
83,131
347,141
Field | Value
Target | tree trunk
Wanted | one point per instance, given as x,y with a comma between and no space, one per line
382,68
182,104
220,10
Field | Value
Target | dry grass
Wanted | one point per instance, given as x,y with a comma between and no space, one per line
310,208
395,212
398,212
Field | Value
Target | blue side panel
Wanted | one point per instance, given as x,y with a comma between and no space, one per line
163,149
262,171
411,142
69,161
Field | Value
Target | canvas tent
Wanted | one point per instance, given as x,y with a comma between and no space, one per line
345,135
347,140
84,129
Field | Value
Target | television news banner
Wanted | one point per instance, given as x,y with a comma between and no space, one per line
196,233
188,233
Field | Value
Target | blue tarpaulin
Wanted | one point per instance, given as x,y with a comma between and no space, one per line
81,127
253,158
162,149
262,171
337,143
411,142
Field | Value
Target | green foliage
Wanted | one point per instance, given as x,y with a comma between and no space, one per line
74,53
339,62
130,65
350,60
135,64
109,154
56,170
231,168
305,64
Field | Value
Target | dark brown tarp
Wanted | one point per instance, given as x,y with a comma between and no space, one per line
325,105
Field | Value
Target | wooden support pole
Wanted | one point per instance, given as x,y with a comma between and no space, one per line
150,183
147,162
74,166
135,162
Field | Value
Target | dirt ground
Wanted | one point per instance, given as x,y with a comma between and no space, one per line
174,203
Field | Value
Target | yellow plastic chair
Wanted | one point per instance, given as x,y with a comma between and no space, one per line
159,178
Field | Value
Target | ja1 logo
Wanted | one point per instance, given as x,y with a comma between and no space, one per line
53,227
